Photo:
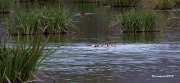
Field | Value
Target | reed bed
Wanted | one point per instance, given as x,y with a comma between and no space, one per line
52,20
138,21
120,3
5,6
85,1
19,60
163,4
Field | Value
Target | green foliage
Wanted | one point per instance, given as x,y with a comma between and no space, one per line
40,21
54,20
5,5
137,21
19,60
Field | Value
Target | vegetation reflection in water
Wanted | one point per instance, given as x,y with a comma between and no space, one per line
31,0
86,1
20,60
139,37
120,3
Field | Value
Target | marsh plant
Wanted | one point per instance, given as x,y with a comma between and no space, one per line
19,60
55,20
85,1
163,4
40,21
138,21
120,3
5,6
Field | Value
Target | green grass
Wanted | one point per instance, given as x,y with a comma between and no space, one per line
55,20
137,21
5,6
45,20
19,60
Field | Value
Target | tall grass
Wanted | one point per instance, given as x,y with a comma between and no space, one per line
55,20
20,60
5,6
40,21
163,4
137,21
121,3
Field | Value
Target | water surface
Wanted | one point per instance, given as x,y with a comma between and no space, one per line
134,59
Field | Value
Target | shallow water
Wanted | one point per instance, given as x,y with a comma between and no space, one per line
135,58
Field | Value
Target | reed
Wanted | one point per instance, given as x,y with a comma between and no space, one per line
23,23
55,20
40,21
163,4
5,6
137,21
19,60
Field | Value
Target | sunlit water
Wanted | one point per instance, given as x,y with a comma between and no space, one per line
124,63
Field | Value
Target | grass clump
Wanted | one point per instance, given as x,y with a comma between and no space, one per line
5,6
163,4
19,60
40,21
137,21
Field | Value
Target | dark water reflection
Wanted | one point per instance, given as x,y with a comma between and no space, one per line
134,59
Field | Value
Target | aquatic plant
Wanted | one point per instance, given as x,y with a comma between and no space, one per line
20,60
40,21
163,4
120,3
138,21
5,6
55,20
85,1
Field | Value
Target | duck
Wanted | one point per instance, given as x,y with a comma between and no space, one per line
82,13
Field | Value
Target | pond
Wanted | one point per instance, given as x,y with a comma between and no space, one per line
135,58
